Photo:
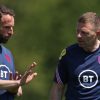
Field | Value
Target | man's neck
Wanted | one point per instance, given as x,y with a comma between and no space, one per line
93,47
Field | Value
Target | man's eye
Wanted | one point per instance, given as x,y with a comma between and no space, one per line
7,27
84,33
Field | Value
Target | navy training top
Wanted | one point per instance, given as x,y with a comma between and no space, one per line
80,70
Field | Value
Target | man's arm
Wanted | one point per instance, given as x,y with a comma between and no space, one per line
12,85
19,92
57,92
7,84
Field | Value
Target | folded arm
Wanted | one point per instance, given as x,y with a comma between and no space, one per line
14,85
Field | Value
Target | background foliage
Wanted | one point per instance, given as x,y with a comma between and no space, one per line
42,29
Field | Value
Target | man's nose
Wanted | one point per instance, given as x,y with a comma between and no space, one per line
11,30
79,35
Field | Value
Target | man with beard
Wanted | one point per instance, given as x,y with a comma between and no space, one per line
10,81
79,64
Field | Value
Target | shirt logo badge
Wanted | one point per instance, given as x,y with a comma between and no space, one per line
62,54
7,58
88,78
4,72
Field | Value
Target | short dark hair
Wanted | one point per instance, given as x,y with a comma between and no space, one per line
90,17
5,10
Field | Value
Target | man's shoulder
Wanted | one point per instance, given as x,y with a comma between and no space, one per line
66,51
72,47
5,49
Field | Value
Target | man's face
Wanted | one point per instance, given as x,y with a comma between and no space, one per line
86,36
6,28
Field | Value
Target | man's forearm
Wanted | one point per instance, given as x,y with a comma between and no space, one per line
7,84
56,92
56,95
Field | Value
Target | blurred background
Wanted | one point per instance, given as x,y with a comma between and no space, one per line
42,29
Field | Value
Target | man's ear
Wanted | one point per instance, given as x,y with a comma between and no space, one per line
98,32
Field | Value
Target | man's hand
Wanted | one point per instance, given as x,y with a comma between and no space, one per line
19,93
17,89
22,79
28,75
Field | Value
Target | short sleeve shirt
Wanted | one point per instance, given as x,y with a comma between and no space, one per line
80,70
6,67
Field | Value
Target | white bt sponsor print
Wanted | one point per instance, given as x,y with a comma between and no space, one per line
88,78
4,70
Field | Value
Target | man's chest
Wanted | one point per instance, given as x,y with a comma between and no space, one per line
85,72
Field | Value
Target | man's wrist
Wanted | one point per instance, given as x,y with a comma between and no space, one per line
18,83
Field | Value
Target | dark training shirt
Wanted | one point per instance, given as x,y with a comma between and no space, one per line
80,70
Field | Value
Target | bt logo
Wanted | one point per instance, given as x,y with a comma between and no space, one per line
3,74
4,71
88,78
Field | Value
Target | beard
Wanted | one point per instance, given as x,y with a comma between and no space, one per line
3,39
